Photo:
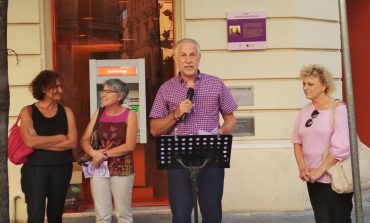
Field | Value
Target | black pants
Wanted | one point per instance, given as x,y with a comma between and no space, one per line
210,183
41,182
329,206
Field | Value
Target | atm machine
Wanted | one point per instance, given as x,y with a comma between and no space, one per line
130,71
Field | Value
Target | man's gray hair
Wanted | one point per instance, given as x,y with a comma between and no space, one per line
185,40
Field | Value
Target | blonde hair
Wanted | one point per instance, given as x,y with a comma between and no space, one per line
319,71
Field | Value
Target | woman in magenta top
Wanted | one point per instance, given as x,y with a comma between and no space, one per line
313,134
117,132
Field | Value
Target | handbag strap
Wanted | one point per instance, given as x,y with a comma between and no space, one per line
101,109
334,106
332,111
29,108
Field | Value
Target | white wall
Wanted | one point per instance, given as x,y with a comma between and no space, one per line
263,174
26,37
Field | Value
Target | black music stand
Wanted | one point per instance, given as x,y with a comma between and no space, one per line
194,152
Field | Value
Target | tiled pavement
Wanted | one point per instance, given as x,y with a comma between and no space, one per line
163,215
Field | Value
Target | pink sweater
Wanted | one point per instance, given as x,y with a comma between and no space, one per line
321,135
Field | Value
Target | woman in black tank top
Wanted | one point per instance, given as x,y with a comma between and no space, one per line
50,130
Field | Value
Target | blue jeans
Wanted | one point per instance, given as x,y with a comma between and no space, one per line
210,184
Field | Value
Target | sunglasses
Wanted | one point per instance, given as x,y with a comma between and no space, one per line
314,114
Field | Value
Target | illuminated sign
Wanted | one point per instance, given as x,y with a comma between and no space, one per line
117,71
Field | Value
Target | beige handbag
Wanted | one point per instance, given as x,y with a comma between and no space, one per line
341,172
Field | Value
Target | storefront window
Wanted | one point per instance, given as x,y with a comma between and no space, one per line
113,29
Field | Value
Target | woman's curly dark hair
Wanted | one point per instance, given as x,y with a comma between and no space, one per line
46,79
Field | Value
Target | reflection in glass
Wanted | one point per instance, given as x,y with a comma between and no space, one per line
112,29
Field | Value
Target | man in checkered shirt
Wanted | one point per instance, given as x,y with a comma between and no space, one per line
172,111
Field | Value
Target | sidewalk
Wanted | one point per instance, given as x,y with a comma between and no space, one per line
163,215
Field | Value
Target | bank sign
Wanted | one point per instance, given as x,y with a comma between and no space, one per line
246,30
117,71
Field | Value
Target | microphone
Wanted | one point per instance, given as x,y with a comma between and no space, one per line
189,96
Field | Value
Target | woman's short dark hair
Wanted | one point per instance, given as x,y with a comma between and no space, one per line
46,79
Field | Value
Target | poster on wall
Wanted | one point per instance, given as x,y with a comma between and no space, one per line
246,30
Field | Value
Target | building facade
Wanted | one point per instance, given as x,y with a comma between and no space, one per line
263,174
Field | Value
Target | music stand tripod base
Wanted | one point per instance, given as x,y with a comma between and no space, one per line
194,152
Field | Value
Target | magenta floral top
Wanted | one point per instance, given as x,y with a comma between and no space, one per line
112,132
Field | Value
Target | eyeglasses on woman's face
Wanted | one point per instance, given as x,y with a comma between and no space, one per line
314,114
108,91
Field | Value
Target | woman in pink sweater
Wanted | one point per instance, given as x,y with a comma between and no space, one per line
313,134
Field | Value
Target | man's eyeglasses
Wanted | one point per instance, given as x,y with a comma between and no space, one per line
314,114
108,91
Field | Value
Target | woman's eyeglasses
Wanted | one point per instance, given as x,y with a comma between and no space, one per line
314,114
105,91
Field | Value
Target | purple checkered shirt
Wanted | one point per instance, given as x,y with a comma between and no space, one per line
211,97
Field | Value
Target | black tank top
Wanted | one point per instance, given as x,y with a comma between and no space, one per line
47,127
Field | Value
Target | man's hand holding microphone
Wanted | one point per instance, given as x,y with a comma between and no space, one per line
185,106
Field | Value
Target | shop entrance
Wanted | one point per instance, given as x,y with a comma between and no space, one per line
115,29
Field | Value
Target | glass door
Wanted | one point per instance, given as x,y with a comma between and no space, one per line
115,29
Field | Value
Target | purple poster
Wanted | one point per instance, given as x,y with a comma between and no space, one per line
246,30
